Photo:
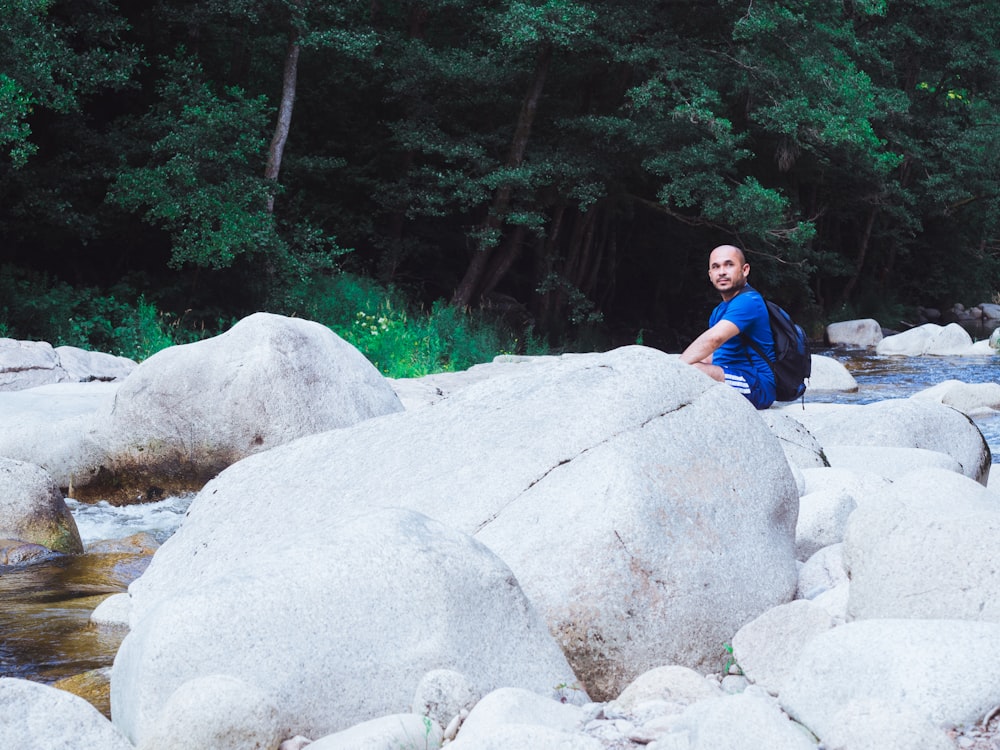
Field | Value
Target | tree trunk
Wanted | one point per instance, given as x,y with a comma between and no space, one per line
862,253
502,262
542,302
277,149
588,283
469,287
392,255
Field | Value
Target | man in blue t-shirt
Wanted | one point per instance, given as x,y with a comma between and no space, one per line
721,351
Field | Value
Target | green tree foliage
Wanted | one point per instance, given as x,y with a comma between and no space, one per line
201,179
569,162
52,56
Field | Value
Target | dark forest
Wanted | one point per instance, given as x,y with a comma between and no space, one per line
559,167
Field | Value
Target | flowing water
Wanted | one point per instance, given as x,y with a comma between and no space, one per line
45,633
881,378
45,630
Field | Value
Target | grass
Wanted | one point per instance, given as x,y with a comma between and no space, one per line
399,338
403,341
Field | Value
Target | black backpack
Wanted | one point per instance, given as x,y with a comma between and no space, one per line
792,362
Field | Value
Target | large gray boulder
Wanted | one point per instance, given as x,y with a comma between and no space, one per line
215,711
83,366
768,647
647,510
828,374
53,426
968,398
751,719
32,508
933,668
26,364
891,462
33,715
30,364
801,448
904,423
928,550
189,411
864,333
929,338
336,623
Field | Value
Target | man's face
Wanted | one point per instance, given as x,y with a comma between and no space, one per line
727,270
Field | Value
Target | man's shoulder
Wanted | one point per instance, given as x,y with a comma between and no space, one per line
750,297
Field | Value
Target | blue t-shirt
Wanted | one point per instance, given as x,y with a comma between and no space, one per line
748,313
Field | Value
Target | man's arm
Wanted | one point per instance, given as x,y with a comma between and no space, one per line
702,348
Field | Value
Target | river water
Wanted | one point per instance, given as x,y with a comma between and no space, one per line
45,633
881,378
45,630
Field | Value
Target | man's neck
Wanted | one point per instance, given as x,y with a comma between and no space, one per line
728,295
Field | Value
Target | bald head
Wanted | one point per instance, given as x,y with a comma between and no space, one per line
728,270
730,250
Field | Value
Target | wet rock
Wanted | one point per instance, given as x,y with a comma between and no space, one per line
94,686
32,508
113,612
16,552
140,543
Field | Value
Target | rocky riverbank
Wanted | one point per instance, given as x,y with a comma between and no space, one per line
587,551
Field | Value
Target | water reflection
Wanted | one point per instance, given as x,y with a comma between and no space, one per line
45,617
45,629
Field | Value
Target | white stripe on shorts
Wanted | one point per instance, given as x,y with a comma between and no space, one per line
738,382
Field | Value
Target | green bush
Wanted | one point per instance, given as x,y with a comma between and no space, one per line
400,341
122,321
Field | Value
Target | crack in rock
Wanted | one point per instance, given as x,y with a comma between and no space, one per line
563,462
